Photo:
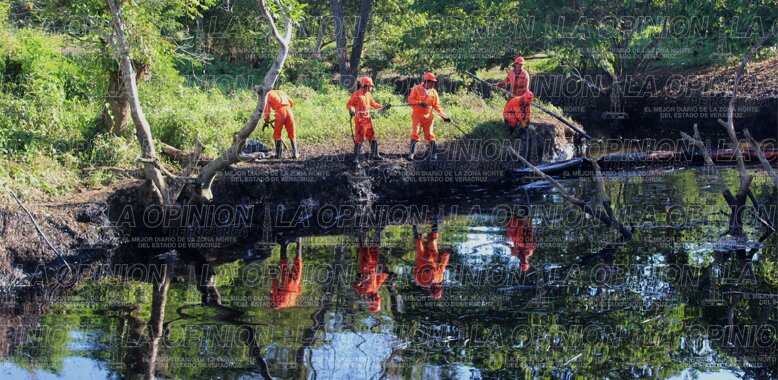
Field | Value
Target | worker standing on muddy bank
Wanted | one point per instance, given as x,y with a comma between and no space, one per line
282,105
424,99
517,112
518,78
359,106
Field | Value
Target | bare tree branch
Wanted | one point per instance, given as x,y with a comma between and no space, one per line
730,126
37,226
765,163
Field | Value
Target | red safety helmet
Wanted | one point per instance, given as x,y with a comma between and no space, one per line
518,60
365,81
430,76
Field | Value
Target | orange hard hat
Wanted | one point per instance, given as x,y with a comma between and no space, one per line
518,60
365,81
430,76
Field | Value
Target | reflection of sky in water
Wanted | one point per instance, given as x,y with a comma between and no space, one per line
350,355
719,375
73,368
483,245
85,340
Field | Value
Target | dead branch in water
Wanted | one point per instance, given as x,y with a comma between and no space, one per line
606,217
765,163
738,201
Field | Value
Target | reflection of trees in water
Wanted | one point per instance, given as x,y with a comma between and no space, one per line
143,344
144,337
656,321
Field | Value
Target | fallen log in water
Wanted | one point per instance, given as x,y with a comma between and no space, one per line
617,161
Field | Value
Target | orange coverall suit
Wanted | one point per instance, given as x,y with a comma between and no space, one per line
430,267
284,293
282,105
519,83
363,124
423,116
369,282
518,110
520,232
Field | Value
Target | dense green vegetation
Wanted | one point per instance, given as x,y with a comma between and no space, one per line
200,59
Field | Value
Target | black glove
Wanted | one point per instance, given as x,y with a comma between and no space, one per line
446,119
386,107
422,104
351,113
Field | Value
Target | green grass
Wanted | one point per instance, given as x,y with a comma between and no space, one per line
53,141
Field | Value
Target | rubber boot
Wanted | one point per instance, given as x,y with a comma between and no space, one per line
357,152
412,150
374,155
278,149
295,154
433,151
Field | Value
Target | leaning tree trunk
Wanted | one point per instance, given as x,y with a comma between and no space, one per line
232,156
359,38
142,128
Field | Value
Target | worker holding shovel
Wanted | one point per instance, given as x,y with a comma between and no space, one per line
359,106
282,105
423,99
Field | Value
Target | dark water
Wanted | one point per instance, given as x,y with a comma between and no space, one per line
471,291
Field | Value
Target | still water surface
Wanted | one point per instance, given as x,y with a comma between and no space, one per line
480,290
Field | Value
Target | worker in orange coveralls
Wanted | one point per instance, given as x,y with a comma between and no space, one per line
517,111
369,281
521,235
424,99
518,78
430,265
516,114
359,106
284,293
282,105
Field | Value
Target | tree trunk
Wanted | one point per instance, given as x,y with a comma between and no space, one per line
142,128
116,114
346,77
359,38
205,180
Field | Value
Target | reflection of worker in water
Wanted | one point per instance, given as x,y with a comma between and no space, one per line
284,292
521,235
369,281
430,265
